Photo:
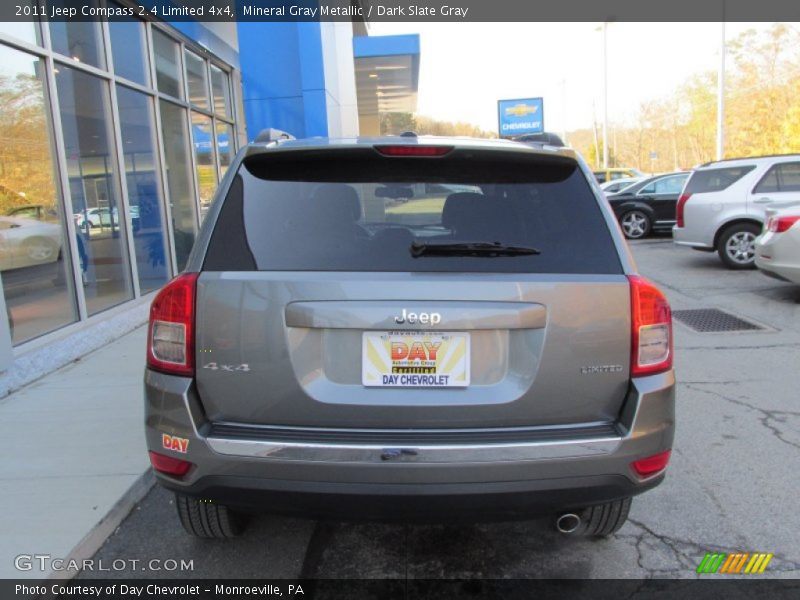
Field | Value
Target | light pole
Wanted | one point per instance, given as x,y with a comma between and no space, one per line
721,96
564,110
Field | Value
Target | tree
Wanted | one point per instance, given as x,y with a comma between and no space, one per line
396,123
762,110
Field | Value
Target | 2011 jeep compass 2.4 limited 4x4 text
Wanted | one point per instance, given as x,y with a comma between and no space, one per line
413,328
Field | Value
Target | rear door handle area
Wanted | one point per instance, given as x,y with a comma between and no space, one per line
415,315
763,200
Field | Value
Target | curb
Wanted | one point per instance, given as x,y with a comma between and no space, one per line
107,525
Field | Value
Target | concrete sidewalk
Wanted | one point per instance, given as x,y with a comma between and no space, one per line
72,456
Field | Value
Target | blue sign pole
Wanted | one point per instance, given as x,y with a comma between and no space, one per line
519,116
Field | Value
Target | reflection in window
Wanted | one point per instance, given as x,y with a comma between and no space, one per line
197,80
144,197
80,40
180,190
167,57
225,147
129,48
204,159
86,123
221,90
34,255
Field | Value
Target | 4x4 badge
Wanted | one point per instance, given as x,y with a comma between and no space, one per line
244,367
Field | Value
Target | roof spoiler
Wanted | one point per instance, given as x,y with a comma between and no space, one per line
269,134
551,139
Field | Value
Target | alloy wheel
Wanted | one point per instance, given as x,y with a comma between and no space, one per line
740,247
635,224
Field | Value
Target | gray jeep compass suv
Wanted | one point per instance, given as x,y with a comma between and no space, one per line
411,328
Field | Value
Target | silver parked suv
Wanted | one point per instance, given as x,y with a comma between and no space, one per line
722,207
413,328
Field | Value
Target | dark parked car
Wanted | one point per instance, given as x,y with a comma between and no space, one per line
648,205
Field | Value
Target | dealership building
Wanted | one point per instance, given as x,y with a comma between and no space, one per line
115,135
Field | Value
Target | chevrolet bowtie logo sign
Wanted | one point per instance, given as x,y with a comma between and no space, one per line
518,116
521,110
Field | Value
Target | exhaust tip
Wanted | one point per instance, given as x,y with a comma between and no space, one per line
568,523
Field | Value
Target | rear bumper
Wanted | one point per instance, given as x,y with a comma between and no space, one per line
776,256
787,273
426,480
431,502
683,237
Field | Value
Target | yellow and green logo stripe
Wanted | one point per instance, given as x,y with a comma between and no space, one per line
734,563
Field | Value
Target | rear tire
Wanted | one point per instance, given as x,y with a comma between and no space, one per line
604,519
205,519
736,246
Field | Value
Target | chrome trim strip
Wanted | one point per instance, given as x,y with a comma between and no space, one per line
379,314
424,454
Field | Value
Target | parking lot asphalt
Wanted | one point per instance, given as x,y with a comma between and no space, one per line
732,484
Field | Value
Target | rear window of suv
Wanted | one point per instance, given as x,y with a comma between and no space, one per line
362,212
715,180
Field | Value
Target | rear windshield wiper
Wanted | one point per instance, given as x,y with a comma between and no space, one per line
489,249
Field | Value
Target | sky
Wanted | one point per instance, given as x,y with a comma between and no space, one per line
466,67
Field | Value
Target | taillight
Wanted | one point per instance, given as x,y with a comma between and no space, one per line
781,224
647,467
413,150
170,337
651,328
679,209
169,465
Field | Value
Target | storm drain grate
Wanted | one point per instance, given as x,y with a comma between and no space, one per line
712,320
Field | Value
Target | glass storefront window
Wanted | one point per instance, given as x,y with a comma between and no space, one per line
80,40
179,178
34,253
197,80
221,91
86,122
129,48
168,72
165,87
225,146
203,138
144,195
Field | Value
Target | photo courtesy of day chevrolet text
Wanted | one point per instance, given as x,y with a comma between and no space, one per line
152,590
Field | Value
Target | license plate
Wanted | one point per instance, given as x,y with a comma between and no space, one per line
425,359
